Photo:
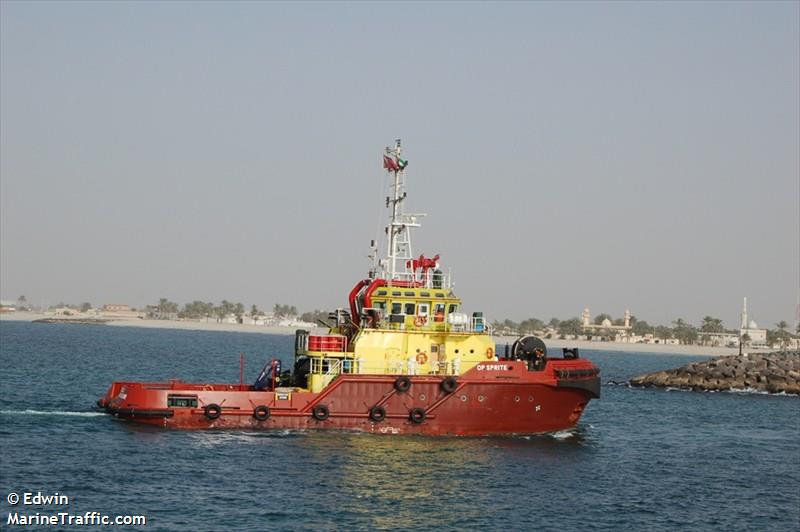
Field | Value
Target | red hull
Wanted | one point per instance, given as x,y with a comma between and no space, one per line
491,399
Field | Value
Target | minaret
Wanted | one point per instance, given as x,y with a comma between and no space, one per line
586,317
744,313
627,318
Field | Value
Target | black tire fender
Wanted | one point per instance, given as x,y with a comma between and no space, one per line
417,415
402,384
320,412
377,414
261,412
212,411
449,385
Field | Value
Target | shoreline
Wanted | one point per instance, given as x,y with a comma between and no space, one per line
553,343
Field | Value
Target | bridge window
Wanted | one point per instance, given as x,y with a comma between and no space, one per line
410,309
397,308
453,308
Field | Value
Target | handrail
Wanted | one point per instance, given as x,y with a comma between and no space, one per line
425,281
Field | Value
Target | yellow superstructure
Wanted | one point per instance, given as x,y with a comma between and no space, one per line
410,331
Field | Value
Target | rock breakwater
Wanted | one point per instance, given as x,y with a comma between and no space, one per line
765,372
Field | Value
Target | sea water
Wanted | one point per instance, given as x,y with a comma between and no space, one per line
639,459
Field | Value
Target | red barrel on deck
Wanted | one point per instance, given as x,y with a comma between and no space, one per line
327,342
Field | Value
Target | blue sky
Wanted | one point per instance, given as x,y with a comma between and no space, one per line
609,155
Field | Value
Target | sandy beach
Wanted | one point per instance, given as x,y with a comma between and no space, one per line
690,350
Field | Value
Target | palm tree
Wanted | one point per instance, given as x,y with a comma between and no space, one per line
713,325
782,332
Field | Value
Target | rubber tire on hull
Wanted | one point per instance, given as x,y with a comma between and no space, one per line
212,411
402,384
377,414
321,412
417,415
261,412
449,385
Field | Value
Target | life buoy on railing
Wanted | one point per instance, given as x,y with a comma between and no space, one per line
422,358
261,412
212,411
419,321
490,353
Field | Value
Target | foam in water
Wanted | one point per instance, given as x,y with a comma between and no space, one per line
563,434
50,413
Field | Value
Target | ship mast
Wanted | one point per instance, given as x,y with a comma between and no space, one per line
398,231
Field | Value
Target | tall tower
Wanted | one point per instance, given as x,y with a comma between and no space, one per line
627,318
586,317
744,313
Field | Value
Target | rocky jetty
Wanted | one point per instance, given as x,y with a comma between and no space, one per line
78,321
765,372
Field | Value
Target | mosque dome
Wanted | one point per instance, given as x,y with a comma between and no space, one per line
606,322
753,325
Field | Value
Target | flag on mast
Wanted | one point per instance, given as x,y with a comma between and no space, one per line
390,164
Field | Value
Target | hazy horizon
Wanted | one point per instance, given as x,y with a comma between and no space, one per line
611,156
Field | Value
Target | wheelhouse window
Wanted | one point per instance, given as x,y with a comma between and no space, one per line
397,308
453,308
182,401
410,309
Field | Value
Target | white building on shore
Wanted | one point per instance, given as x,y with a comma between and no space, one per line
757,337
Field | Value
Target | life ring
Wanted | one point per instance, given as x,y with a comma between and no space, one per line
417,415
422,358
212,411
419,321
489,353
377,414
402,384
261,412
207,387
320,412
449,385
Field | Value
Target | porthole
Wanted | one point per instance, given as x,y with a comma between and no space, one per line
463,398
423,397
481,398
530,398
471,350
516,398
456,351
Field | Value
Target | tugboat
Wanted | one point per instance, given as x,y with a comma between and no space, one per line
403,358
